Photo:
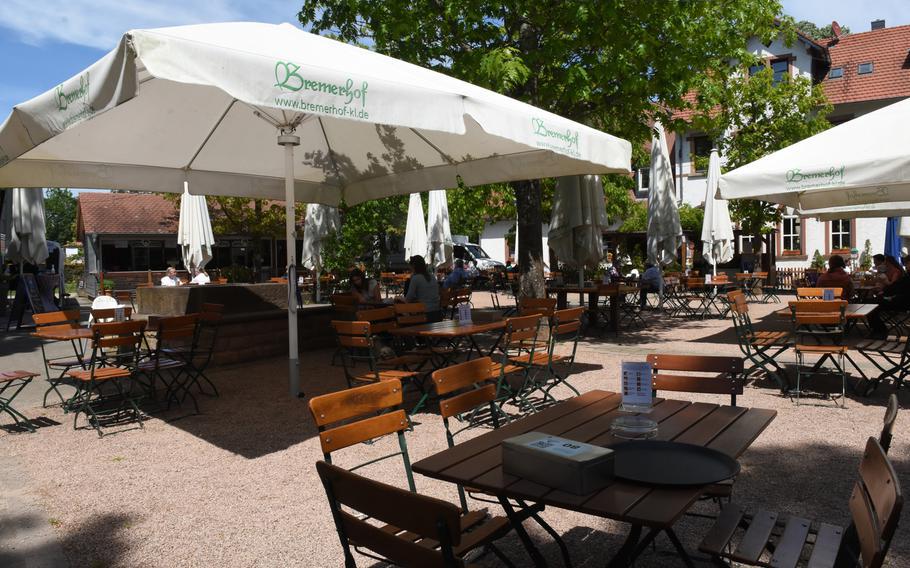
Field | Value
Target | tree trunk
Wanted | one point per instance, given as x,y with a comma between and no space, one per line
530,245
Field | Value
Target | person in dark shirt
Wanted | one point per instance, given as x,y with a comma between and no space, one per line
896,299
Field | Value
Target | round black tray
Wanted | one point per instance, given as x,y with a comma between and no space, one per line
671,463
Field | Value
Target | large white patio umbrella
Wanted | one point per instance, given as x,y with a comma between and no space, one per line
716,230
439,234
860,166
194,231
321,221
205,104
664,229
22,221
577,221
415,233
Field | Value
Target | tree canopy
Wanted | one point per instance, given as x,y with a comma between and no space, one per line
819,33
60,215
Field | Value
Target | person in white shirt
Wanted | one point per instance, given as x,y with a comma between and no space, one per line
200,277
170,278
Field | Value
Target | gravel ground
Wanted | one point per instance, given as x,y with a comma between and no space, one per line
236,485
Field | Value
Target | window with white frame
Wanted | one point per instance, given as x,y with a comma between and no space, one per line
840,234
791,241
644,179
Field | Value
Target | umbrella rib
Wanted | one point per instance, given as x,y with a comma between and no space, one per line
210,133
442,154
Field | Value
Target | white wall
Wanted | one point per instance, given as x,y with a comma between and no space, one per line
493,239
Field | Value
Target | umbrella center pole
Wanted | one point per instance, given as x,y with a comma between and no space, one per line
289,141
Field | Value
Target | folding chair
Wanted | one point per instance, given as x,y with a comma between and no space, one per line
748,283
894,364
888,423
344,305
820,320
805,293
203,347
417,530
565,328
125,297
116,348
519,338
415,313
767,291
382,321
106,315
167,361
357,349
761,348
15,381
763,539
59,321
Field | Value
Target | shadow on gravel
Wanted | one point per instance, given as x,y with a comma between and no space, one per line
98,543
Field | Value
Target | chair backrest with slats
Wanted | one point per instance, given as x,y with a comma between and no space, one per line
381,320
565,328
521,332
421,518
177,329
817,293
698,374
875,505
110,314
815,312
695,283
57,321
411,314
355,346
472,377
888,423
537,306
116,343
343,303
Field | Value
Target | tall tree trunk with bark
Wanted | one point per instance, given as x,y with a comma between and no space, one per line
530,244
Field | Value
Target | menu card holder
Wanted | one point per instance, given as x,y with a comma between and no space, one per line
637,386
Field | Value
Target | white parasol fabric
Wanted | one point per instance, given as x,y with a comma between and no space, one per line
22,221
321,221
415,233
578,220
206,104
716,230
439,234
863,164
664,229
194,231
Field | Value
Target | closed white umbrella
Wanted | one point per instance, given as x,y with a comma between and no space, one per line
194,231
204,103
860,165
664,229
438,232
23,224
716,230
415,233
578,220
905,227
321,221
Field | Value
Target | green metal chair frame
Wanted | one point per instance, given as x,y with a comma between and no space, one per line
519,338
52,321
15,381
168,360
761,349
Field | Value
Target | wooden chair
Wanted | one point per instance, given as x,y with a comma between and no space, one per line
414,313
200,354
116,348
382,321
804,293
519,338
536,306
891,356
875,507
110,314
761,348
359,414
14,382
552,368
884,439
59,321
820,320
698,374
124,297
343,304
418,531
166,361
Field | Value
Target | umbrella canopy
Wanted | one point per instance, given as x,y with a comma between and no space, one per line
194,231
22,221
664,229
859,163
438,232
321,221
578,220
905,227
205,104
893,238
415,234
717,230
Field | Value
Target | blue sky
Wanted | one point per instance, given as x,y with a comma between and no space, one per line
43,42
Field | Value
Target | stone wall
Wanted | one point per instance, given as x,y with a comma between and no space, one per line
256,336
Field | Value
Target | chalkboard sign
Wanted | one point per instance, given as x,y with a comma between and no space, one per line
28,291
34,294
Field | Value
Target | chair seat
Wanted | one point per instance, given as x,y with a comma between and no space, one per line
790,539
159,364
538,360
475,531
833,349
496,369
101,374
386,375
9,376
890,345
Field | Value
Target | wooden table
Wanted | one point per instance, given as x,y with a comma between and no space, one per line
594,293
852,312
478,462
453,331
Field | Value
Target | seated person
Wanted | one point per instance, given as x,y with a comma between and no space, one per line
200,277
170,278
458,277
889,271
837,277
365,290
651,281
423,288
897,299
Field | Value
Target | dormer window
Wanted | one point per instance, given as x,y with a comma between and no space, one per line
864,68
836,73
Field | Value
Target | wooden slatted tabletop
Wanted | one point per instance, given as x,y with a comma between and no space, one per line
853,311
478,462
448,328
